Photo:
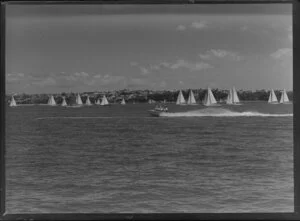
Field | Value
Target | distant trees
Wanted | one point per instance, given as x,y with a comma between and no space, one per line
142,96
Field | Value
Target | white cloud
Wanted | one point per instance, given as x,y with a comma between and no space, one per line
281,53
244,28
181,28
144,71
191,66
219,53
81,74
45,82
98,76
199,24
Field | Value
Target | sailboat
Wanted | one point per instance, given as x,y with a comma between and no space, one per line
123,101
64,102
180,99
12,102
232,97
191,100
51,101
272,98
284,98
104,101
88,102
98,102
78,100
150,101
209,99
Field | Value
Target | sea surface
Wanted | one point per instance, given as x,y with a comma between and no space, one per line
119,159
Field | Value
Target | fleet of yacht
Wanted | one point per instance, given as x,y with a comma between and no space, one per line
209,100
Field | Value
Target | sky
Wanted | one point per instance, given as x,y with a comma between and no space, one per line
81,48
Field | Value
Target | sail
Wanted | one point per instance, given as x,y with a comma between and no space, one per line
123,101
272,97
78,100
209,98
180,98
235,98
284,98
51,101
12,102
98,102
191,99
64,103
88,102
104,101
229,97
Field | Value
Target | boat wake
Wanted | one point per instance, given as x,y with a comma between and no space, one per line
220,112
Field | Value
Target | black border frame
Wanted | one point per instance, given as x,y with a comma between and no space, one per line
160,216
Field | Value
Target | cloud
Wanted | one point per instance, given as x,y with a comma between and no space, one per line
12,77
197,66
199,24
144,71
222,54
281,53
50,81
181,28
81,74
97,76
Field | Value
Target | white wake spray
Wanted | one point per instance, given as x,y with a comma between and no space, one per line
220,112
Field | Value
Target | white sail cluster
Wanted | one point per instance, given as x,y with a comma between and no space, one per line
191,100
123,101
51,101
64,102
284,98
78,100
180,99
12,102
272,98
104,101
88,102
232,97
209,99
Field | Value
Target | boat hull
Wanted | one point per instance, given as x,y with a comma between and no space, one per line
155,113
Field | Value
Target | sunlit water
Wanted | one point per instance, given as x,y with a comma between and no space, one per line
120,159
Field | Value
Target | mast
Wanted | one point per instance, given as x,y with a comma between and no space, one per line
284,98
88,102
191,99
13,102
51,101
64,103
78,100
180,99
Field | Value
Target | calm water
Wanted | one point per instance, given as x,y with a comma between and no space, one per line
119,159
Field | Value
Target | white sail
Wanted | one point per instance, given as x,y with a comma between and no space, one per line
232,97
104,101
98,102
64,102
51,101
180,99
88,102
272,97
191,99
284,98
209,98
123,101
13,102
78,100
